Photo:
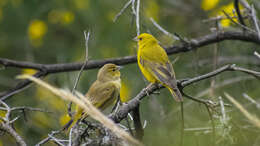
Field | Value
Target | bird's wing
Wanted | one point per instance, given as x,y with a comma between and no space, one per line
103,94
156,61
154,53
163,72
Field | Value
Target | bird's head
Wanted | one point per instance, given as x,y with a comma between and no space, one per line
146,39
109,72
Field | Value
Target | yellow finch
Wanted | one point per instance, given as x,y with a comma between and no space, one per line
155,65
103,92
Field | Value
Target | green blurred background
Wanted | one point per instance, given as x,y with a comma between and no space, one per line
51,32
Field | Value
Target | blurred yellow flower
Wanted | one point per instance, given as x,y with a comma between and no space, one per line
81,4
67,17
29,71
62,17
229,10
125,91
152,10
209,4
37,29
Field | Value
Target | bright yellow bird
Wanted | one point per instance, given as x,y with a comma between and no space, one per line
102,93
155,65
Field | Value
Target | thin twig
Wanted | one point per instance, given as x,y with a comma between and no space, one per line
182,123
163,30
133,7
257,54
56,140
218,18
251,100
25,108
6,125
137,18
215,59
14,134
255,21
122,10
81,70
253,119
212,125
240,18
45,140
223,112
138,124
243,26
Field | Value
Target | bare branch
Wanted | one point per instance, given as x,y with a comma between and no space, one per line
122,10
251,100
20,86
56,68
6,125
240,18
254,17
257,54
223,112
137,18
239,24
81,70
253,119
47,138
92,64
12,132
137,123
84,103
126,108
163,30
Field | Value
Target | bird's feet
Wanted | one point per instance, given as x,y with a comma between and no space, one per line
147,89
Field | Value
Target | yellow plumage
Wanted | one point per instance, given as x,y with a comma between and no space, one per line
103,92
155,65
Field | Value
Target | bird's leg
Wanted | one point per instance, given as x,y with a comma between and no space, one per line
116,106
147,88
157,86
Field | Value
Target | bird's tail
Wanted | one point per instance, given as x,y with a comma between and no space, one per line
76,118
176,94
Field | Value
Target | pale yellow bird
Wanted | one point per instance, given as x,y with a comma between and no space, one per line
102,93
155,65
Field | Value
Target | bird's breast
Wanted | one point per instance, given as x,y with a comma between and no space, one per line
117,83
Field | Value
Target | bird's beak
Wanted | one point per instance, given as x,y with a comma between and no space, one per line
135,39
119,67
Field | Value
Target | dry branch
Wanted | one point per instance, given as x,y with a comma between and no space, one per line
84,103
45,69
132,104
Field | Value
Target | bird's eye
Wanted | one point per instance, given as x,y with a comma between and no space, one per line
140,39
113,69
